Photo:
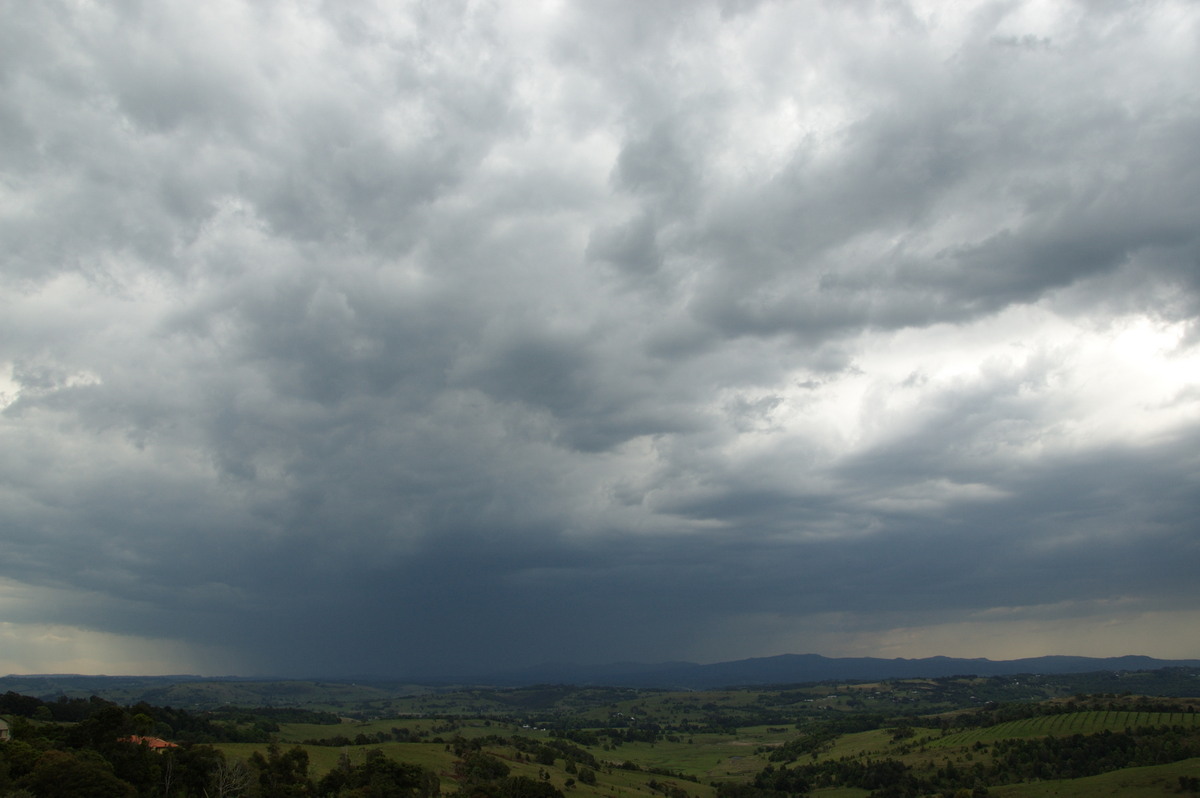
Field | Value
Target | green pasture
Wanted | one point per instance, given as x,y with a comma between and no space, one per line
611,780
708,758
323,758
736,756
766,735
616,782
877,741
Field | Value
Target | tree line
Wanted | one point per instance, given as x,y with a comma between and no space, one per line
1002,762
91,748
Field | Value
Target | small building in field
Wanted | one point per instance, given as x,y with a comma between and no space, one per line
153,743
4,733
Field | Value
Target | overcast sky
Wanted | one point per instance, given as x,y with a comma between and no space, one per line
418,338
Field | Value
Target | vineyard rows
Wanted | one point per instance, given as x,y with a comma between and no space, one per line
1070,723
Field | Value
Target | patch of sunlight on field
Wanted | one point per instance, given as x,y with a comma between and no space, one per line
706,759
876,741
295,732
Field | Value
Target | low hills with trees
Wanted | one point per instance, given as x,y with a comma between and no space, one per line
1121,733
185,690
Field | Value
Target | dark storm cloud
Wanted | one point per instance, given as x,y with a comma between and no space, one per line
493,333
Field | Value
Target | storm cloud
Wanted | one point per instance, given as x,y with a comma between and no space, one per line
420,338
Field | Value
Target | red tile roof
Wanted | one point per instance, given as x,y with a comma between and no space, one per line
155,743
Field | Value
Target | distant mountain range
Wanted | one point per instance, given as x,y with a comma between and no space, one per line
195,691
796,668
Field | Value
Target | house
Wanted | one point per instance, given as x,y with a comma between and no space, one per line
154,743
4,734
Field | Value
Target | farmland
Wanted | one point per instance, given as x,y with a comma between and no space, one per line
1026,736
713,743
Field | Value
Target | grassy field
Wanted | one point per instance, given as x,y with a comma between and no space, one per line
714,758
877,742
1146,782
611,778
927,749
720,736
709,757
714,737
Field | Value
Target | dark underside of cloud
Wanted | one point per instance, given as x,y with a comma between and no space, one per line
484,332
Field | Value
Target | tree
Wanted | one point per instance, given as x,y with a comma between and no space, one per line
477,767
229,778
59,774
525,787
379,777
282,775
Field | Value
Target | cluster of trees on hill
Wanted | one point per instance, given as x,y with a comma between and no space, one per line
646,732
362,738
1081,755
481,775
90,748
1002,762
216,726
284,774
95,758
87,749
992,713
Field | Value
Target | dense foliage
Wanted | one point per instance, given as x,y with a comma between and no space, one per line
92,748
1011,761
227,726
